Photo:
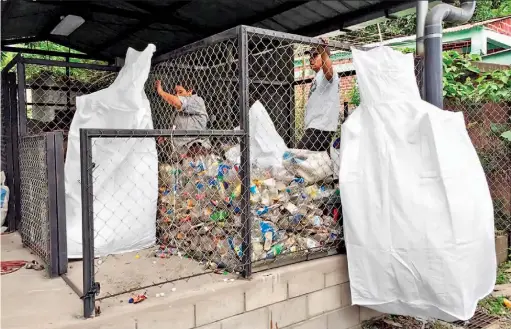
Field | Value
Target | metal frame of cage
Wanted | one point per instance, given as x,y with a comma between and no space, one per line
16,132
91,288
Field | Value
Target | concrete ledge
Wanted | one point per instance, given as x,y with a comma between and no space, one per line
501,248
313,294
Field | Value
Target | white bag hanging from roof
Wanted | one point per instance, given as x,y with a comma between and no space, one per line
266,145
417,210
125,171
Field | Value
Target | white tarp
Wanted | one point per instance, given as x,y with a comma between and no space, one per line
125,183
417,210
266,145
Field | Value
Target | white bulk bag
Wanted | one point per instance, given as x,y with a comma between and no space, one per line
417,210
312,166
266,145
125,182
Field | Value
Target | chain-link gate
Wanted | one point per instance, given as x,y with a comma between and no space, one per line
43,223
39,102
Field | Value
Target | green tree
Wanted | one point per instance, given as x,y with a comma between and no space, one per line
34,71
402,26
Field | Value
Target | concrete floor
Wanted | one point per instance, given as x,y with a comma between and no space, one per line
30,299
133,271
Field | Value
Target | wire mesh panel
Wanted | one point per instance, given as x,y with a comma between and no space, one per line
157,221
480,87
41,184
487,124
302,84
51,94
51,87
211,72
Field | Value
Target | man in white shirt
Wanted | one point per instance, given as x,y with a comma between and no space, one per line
323,106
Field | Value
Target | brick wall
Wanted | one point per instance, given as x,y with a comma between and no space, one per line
503,26
308,295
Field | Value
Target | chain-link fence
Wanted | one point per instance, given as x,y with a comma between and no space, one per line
51,88
43,226
477,81
197,195
38,104
487,124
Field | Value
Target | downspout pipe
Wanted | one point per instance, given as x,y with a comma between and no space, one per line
421,11
433,45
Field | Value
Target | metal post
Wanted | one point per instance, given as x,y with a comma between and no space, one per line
68,85
9,97
346,111
61,203
245,150
53,270
89,286
22,106
15,206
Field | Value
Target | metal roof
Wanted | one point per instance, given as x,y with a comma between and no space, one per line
112,26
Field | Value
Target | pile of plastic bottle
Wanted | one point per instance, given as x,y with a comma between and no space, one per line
200,213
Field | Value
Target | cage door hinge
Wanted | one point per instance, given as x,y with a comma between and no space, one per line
94,291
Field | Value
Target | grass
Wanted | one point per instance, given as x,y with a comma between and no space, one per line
494,306
503,276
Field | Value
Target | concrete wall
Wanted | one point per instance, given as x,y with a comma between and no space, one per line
313,294
501,248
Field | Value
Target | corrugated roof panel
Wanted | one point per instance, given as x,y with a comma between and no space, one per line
203,18
323,9
270,24
339,6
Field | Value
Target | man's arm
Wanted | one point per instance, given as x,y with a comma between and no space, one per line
327,68
169,98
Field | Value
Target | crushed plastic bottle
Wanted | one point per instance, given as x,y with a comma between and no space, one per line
275,250
219,216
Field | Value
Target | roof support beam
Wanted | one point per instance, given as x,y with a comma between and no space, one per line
20,40
46,52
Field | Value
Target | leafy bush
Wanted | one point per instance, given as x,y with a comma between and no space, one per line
464,81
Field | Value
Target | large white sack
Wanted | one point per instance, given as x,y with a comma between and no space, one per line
125,183
417,210
312,166
266,145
